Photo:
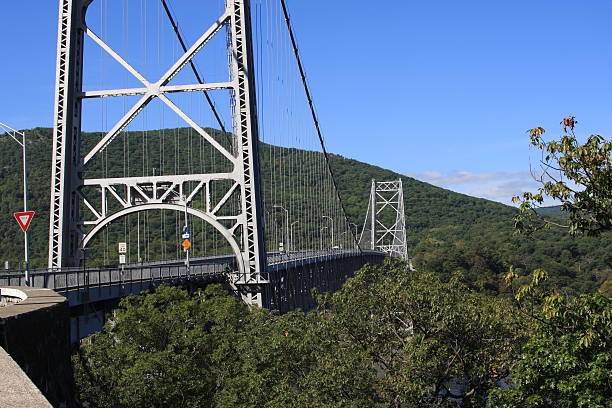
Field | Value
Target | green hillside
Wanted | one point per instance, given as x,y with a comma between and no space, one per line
553,211
454,232
448,231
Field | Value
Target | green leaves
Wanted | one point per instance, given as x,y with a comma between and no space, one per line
568,360
424,336
578,176
156,350
389,337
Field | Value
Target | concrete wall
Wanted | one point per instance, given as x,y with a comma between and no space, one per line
16,389
36,333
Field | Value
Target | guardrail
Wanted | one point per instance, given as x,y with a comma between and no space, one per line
68,279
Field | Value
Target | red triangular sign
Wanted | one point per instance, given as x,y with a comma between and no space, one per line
24,219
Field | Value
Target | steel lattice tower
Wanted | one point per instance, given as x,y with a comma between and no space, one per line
68,232
385,225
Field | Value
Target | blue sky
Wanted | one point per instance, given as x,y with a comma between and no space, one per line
439,90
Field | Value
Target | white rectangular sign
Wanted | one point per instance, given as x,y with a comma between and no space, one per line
122,248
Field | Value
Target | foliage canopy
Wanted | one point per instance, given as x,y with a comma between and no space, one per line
390,337
577,175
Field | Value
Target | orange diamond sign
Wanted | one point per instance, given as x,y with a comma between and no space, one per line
186,244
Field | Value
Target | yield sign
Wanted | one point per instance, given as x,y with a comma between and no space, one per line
24,219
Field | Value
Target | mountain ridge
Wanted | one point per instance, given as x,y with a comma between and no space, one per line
448,231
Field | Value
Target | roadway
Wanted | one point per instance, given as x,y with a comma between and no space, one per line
91,284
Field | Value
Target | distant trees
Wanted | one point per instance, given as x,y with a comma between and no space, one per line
438,221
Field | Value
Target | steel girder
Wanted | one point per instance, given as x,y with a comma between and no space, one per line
67,232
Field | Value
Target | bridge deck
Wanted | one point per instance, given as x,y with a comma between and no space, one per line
101,283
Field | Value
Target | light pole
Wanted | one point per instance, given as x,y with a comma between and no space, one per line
356,238
341,235
12,132
291,229
286,225
332,228
321,237
354,225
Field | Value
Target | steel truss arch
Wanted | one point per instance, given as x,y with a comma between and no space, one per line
67,196
227,234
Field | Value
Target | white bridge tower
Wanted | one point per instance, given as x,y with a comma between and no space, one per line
77,216
385,224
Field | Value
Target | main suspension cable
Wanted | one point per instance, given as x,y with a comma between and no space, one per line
312,109
194,69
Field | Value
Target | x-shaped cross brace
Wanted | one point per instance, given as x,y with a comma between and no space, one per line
158,89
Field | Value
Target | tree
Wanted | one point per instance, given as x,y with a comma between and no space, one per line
577,175
568,360
157,350
390,337
430,343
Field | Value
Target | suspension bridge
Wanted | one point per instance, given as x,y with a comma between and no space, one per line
187,148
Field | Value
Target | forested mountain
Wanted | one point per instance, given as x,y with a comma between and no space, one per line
554,210
453,232
447,231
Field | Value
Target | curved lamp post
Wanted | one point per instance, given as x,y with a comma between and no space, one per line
331,229
321,236
12,133
286,225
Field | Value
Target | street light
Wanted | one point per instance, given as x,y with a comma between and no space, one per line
355,225
291,229
332,228
12,132
356,238
286,224
341,235
321,236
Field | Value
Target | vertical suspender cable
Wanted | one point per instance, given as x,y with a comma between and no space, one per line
195,71
311,105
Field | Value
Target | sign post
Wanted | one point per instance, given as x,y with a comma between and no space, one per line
14,133
24,219
122,252
186,244
185,236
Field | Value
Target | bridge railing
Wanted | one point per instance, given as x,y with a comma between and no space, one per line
76,278
79,278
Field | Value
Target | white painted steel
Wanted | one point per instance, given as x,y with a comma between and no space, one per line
68,233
